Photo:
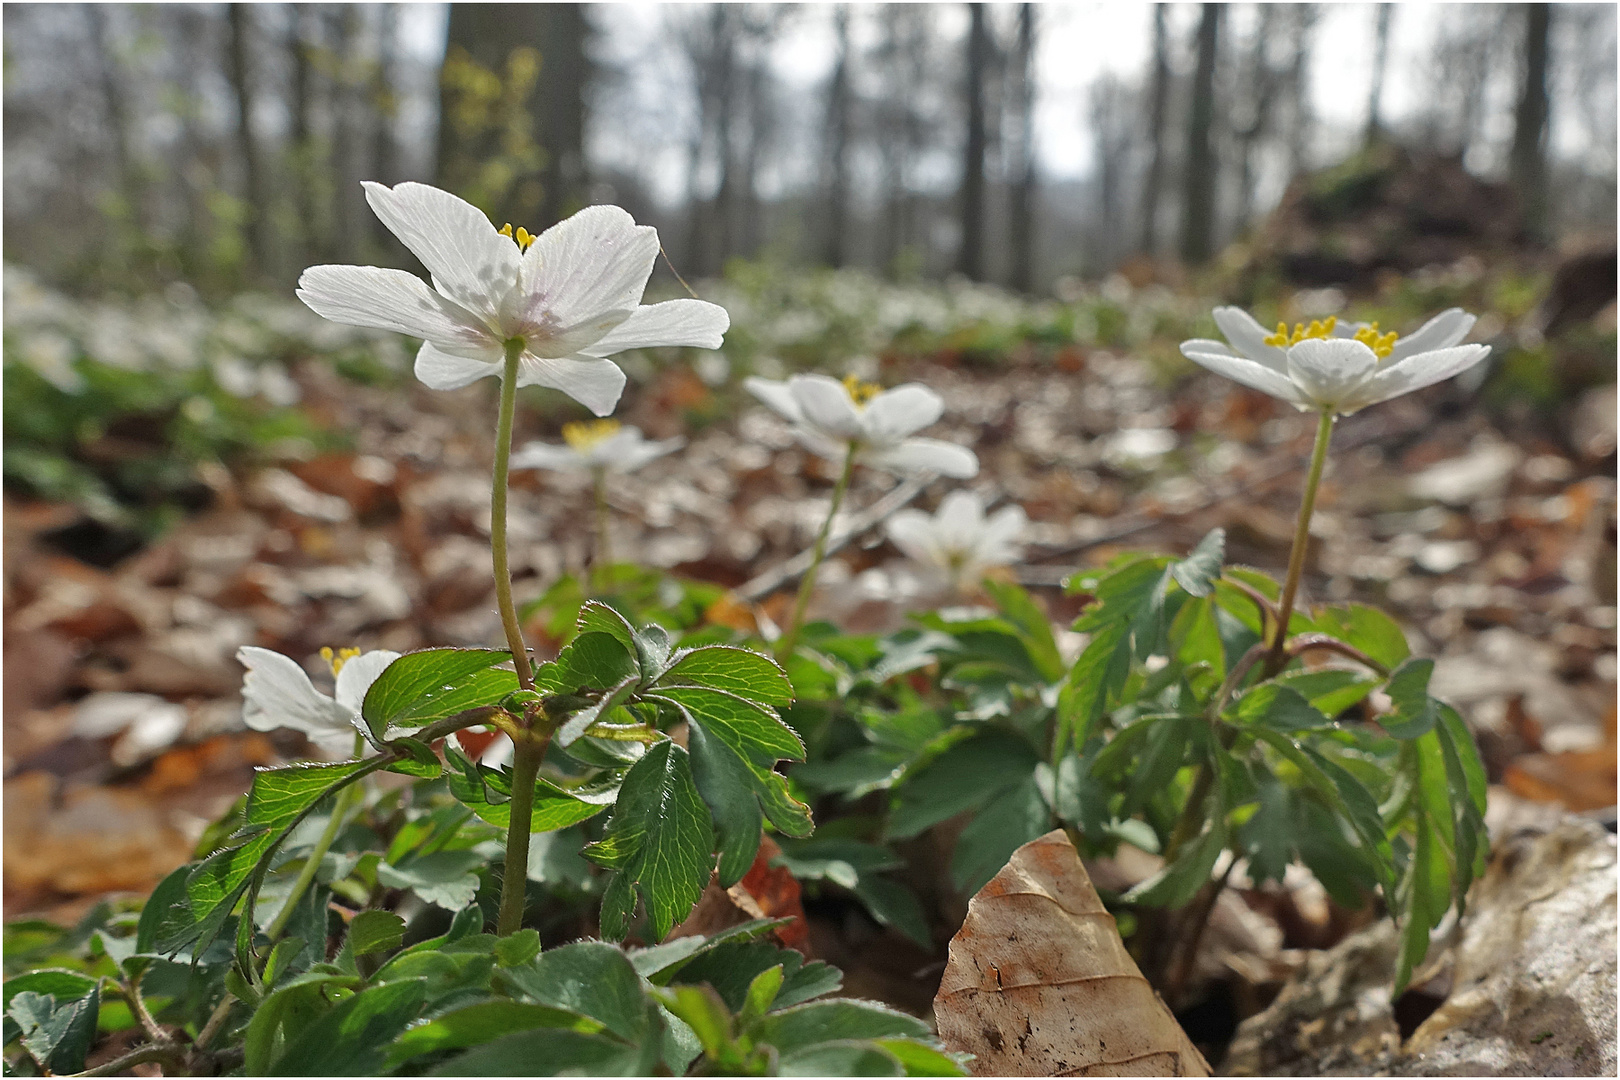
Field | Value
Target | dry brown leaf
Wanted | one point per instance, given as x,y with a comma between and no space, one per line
765,892
1039,982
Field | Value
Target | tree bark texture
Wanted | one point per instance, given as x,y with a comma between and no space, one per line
1198,166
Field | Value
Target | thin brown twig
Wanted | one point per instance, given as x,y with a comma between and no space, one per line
164,1051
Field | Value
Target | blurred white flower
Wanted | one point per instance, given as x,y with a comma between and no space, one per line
572,294
602,444
958,539
1334,368
276,692
829,417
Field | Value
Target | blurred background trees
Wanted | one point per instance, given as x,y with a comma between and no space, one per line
223,145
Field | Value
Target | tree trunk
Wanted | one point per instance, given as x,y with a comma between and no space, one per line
836,140
1022,223
1299,90
1375,94
560,95
304,148
1198,168
1528,160
1159,99
128,180
257,217
970,256
348,198
1262,88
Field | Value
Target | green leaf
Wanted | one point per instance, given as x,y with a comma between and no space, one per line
892,904
921,1060
1365,628
578,723
660,964
1198,571
752,730
280,795
725,782
52,982
1021,610
374,930
1180,881
1414,711
1455,733
597,661
170,891
1008,822
761,993
1329,690
420,761
442,878
965,776
731,968
595,617
658,839
1278,706
554,807
701,1010
590,978
1097,678
841,1058
429,685
824,1021
350,1038
1343,794
517,948
481,1023
723,667
56,1031
552,1052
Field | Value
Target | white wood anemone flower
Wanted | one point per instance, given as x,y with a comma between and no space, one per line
958,540
1326,367
277,693
829,417
604,445
571,294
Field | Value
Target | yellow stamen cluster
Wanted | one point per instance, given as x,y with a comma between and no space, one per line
523,237
1382,344
584,434
1317,329
861,392
336,660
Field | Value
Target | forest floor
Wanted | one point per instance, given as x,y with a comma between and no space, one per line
1489,534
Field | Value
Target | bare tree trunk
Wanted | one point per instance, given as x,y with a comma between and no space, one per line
304,149
1380,61
1299,89
253,190
1198,167
348,200
836,139
970,257
1148,238
1528,160
1262,88
1022,223
559,99
128,181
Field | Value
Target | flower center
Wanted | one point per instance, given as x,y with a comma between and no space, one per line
523,237
584,434
861,392
1381,344
336,660
1317,329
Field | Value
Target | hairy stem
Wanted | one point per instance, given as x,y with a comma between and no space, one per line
603,566
527,755
1302,537
497,516
807,584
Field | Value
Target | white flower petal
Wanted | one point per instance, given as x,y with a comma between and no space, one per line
586,270
442,371
276,692
1441,332
634,456
925,455
894,414
1248,337
1416,372
357,675
826,404
389,300
470,262
1330,370
776,394
593,382
539,455
912,531
1001,532
1251,374
674,322
821,444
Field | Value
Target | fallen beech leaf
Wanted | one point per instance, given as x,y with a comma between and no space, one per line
765,892
1039,982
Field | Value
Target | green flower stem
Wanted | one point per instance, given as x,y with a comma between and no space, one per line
341,805
1302,538
604,551
807,584
497,516
529,752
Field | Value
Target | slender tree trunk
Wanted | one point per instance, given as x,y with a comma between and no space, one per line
128,180
1262,88
253,189
559,98
304,149
1159,98
836,153
1528,160
348,199
1299,135
1198,168
1022,223
970,259
1380,62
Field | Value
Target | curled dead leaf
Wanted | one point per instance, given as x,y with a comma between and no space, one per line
1039,982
